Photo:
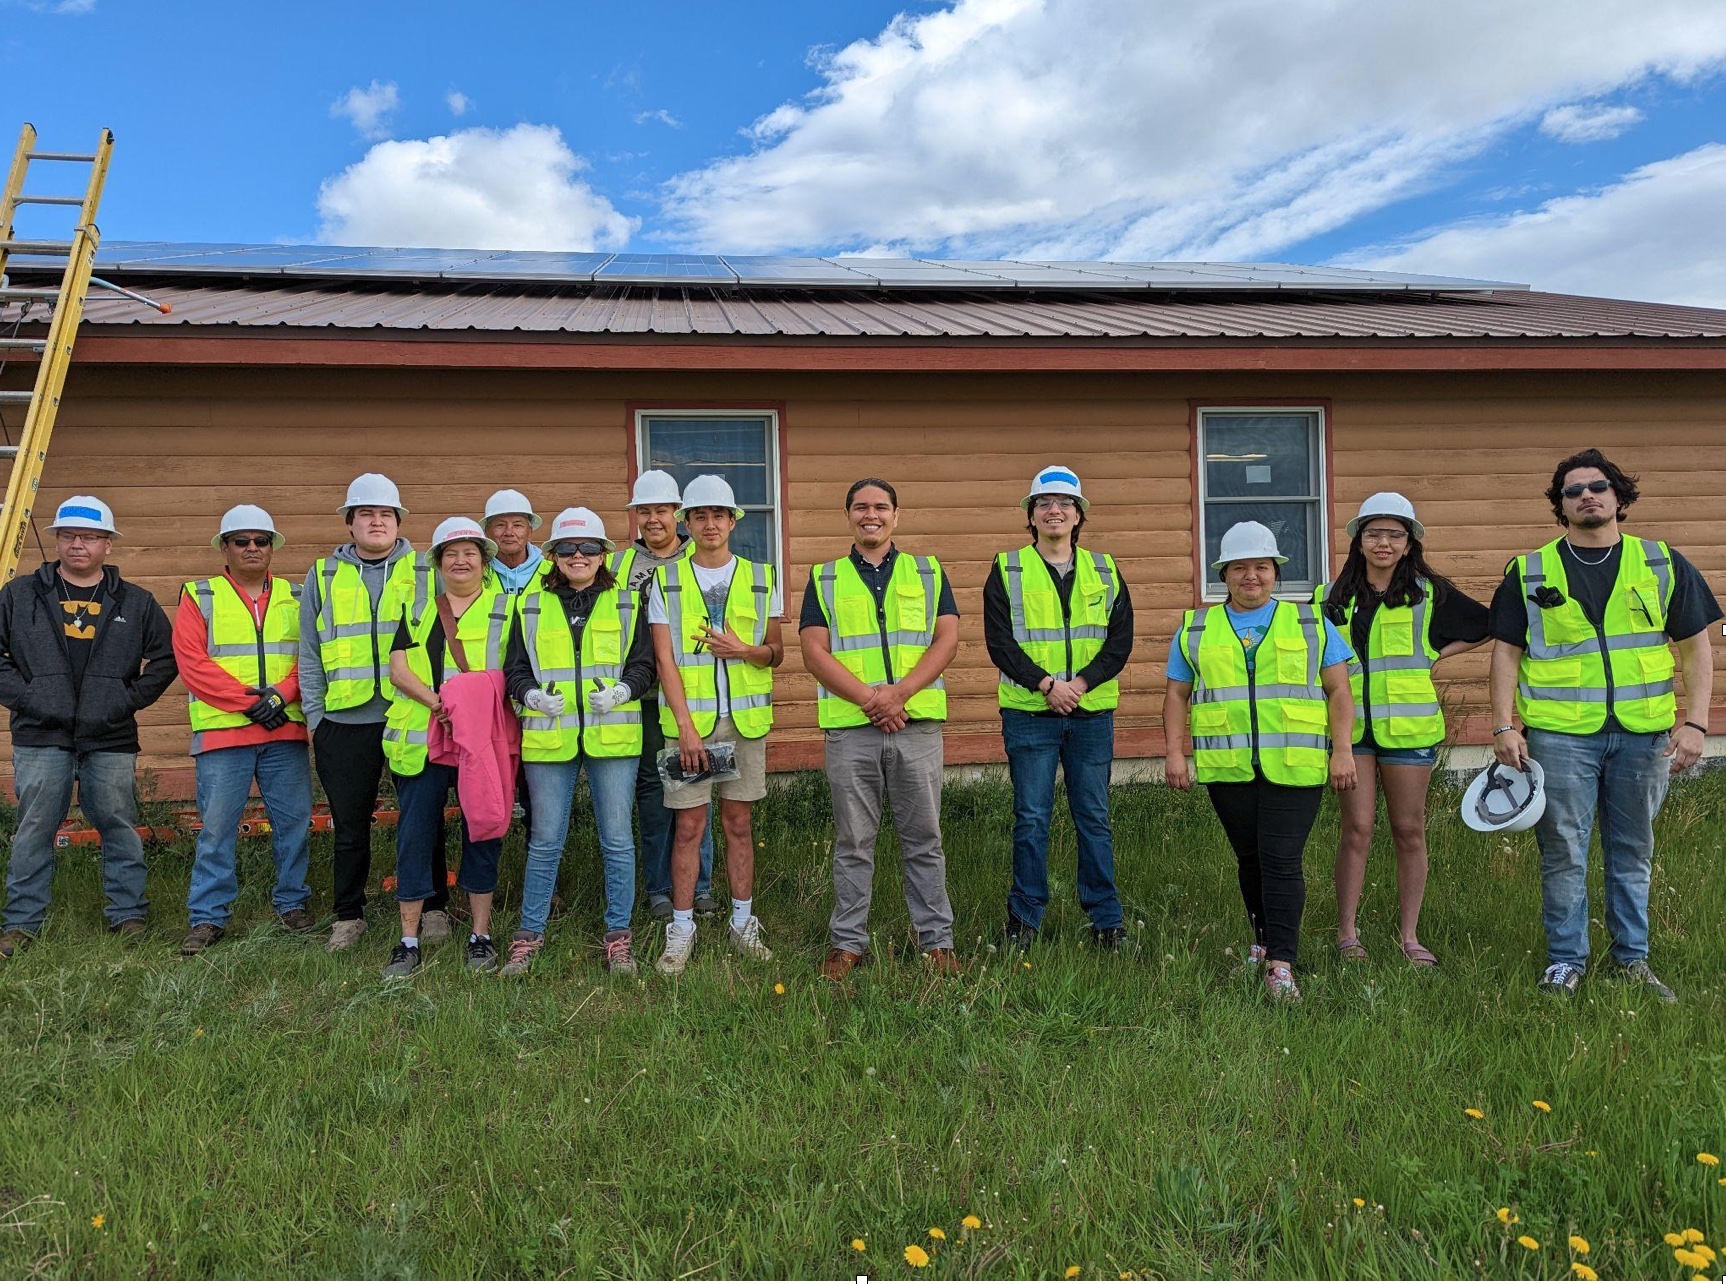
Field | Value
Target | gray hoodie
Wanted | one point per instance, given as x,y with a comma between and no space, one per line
312,681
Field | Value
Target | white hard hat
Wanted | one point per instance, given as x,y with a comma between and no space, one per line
373,490
1246,540
655,486
451,529
708,491
247,517
577,524
1505,800
1056,479
83,513
1387,503
506,502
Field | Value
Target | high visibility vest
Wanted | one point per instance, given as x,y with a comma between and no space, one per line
878,646
253,656
622,561
1061,645
550,647
746,614
1277,710
1396,673
483,630
353,644
1565,681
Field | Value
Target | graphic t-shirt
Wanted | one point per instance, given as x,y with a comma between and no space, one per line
81,612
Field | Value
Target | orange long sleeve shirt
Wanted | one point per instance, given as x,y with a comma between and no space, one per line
214,685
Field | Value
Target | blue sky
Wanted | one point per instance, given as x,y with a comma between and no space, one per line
1576,144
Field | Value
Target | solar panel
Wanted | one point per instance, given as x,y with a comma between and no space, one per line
667,269
767,269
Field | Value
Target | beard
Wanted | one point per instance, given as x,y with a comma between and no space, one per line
1592,521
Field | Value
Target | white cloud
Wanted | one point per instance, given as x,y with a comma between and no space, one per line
1584,124
369,109
457,102
68,8
1151,128
1655,234
662,116
514,189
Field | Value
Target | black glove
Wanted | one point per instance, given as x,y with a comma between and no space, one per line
271,710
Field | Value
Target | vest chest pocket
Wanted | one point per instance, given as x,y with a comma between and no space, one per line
1396,637
348,602
856,615
607,632
1096,607
1210,720
908,598
1291,660
1656,663
1306,717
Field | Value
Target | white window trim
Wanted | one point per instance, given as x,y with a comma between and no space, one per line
774,487
1321,553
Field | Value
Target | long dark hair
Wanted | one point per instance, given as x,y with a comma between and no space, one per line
1623,484
1351,584
555,579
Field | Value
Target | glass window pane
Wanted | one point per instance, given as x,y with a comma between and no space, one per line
735,449
1288,522
753,538
1260,455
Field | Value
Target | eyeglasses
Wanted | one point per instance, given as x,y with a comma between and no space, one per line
587,548
1379,535
1053,501
1575,489
251,541
81,537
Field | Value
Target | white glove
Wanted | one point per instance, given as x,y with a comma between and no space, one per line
549,703
605,700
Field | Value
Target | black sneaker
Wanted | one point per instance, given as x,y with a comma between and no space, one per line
1018,934
1108,938
1562,979
404,960
481,954
1639,973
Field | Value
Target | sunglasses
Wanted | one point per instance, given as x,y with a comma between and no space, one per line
1594,487
250,541
587,548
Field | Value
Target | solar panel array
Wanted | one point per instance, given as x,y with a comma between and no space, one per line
346,262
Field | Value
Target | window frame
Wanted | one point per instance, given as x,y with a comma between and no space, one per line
1320,529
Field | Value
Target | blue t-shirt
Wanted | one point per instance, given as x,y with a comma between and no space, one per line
1250,627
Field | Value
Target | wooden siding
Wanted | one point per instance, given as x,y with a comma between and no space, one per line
171,449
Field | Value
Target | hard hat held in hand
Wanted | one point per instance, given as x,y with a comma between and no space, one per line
655,486
1387,503
1245,541
373,490
450,529
1505,800
708,491
83,513
1056,479
577,524
506,503
247,517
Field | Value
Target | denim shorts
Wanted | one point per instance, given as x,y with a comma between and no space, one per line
1425,757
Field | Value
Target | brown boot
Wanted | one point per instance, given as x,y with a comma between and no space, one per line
942,961
202,937
839,964
12,940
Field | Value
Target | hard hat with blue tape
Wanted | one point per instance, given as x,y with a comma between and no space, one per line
1056,479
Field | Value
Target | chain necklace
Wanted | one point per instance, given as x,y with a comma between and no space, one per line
66,600
1577,554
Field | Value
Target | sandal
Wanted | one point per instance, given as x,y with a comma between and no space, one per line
1418,954
1352,951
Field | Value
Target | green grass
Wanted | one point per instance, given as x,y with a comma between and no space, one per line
268,1109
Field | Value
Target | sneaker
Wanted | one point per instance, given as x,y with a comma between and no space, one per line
1018,934
1639,973
1562,979
746,940
705,906
404,961
202,937
12,940
1108,938
130,930
942,961
839,964
298,920
345,933
1280,983
434,927
619,956
659,906
522,947
678,947
481,954
1255,955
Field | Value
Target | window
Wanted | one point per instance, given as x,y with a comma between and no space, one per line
742,447
1265,465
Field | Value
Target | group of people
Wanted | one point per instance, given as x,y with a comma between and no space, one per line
491,668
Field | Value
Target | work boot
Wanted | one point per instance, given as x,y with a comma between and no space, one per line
839,964
345,933
942,961
12,940
201,937
298,920
1018,934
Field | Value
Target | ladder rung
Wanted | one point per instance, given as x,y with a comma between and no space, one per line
23,345
49,200
61,156
12,292
35,247
15,398
8,452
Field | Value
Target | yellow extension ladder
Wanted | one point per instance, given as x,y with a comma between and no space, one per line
30,451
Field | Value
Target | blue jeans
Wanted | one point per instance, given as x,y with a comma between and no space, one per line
283,769
656,821
552,786
1621,777
107,792
421,798
1085,750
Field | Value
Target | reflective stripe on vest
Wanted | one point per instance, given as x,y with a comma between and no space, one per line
550,645
353,645
1276,712
1060,644
750,689
880,646
482,629
1572,674
1400,694
252,656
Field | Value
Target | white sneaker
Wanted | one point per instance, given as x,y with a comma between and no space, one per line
679,945
746,940
345,933
434,927
1255,955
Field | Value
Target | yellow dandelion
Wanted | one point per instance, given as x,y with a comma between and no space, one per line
1703,1157
935,1232
1583,1271
779,987
971,1222
915,1257
1072,1272
1691,1235
99,1220
1700,1279
859,1245
1674,1239
1507,1217
1686,1257
1723,1181
1706,1252
1528,1242
1359,1202
1579,1246
198,1033
1543,1107
1026,966
1472,1113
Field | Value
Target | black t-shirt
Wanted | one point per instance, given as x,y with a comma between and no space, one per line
82,614
436,646
876,577
1691,610
1456,617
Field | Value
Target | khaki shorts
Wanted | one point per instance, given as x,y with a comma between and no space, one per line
751,782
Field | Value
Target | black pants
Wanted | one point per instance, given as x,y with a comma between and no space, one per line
1267,825
350,763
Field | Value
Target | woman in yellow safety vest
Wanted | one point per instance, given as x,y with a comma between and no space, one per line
423,655
1401,617
1263,682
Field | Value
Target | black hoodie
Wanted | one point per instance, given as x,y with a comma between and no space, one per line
131,664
